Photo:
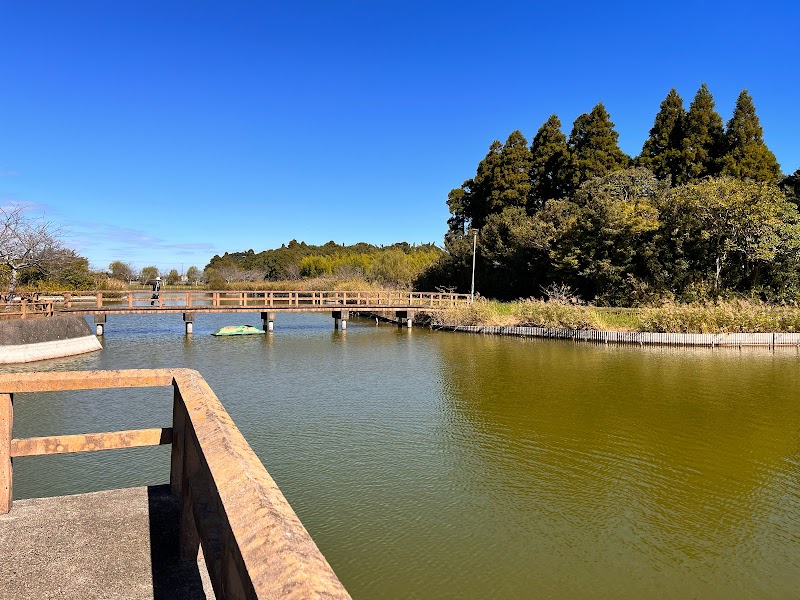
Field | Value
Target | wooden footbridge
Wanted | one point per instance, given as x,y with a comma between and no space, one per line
221,527
403,305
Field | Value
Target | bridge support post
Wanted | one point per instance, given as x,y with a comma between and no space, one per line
268,321
340,315
188,319
6,466
404,317
100,324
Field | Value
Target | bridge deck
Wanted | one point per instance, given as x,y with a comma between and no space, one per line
114,544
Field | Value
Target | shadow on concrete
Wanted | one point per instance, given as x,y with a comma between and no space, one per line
173,579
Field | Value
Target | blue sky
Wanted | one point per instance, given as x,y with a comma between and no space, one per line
166,132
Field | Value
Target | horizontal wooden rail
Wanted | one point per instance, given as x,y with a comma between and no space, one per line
84,380
26,309
90,442
254,299
253,543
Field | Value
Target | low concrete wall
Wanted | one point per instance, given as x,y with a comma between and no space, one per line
27,340
637,337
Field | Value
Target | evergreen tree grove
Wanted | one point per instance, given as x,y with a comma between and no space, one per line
746,154
570,212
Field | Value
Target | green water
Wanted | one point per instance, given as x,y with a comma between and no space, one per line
441,465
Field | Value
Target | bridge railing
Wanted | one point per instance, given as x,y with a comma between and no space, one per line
254,545
26,309
256,298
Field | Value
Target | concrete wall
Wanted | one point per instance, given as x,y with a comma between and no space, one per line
27,340
636,337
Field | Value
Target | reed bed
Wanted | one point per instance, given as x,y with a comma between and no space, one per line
735,316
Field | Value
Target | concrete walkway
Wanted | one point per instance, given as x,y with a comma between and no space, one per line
115,544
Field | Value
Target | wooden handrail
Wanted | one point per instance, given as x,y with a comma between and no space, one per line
26,309
256,298
253,543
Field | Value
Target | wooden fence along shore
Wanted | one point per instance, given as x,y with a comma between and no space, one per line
637,337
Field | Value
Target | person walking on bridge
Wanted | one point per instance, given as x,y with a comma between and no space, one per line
156,285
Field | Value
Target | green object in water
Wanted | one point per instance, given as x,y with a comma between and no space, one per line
239,330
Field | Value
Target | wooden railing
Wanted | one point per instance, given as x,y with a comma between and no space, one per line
26,309
256,299
253,543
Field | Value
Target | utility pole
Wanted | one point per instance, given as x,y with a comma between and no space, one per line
474,248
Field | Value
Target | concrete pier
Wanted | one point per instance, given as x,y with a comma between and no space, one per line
188,319
28,340
340,315
405,317
100,323
268,321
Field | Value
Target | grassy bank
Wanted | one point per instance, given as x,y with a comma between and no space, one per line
724,317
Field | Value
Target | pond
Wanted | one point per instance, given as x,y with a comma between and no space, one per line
442,465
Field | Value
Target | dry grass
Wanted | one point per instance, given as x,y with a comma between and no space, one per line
724,317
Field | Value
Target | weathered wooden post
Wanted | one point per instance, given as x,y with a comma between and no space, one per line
6,425
268,320
24,305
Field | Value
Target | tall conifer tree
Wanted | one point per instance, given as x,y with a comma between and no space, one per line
791,187
662,151
478,200
746,154
456,202
502,180
703,141
593,147
549,156
512,183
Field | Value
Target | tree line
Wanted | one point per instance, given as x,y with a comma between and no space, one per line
396,265
702,211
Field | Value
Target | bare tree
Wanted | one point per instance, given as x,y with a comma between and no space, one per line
121,270
26,243
229,274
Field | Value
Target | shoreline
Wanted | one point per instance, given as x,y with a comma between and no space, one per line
641,338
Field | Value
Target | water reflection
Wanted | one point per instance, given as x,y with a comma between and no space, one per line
670,462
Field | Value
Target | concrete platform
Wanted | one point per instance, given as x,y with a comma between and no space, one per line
115,544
